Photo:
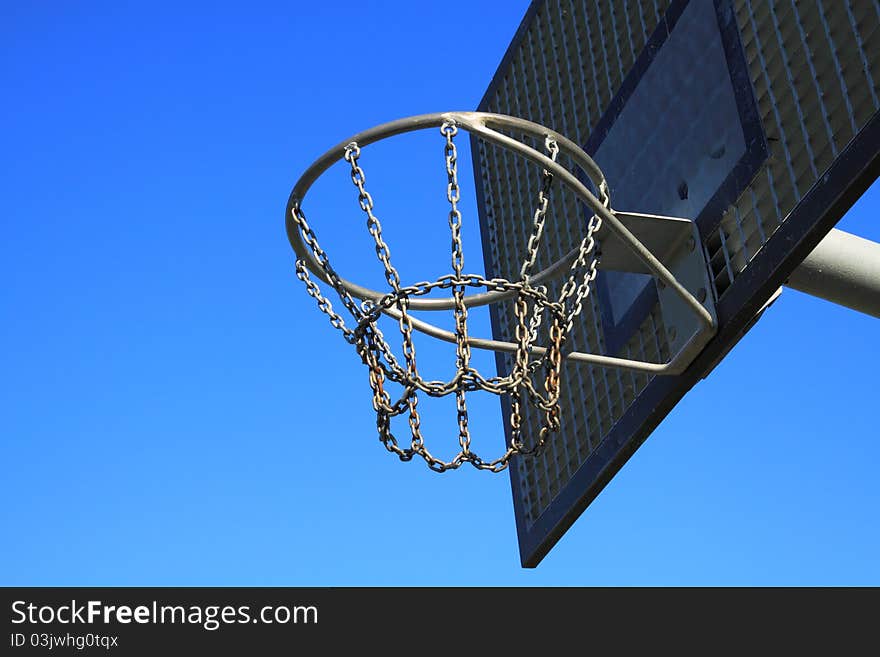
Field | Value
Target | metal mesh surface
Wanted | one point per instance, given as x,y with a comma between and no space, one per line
813,67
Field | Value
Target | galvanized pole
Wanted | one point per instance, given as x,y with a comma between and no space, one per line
844,269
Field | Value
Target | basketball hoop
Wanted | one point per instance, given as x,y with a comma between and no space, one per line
535,376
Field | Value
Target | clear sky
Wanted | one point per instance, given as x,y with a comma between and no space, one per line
175,411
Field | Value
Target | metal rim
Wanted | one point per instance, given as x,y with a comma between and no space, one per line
477,123
481,124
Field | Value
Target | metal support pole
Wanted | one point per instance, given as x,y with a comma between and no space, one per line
843,269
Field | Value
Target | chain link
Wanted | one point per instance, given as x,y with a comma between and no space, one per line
352,154
532,307
311,241
359,179
460,313
302,273
540,212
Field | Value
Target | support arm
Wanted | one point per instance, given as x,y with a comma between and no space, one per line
844,269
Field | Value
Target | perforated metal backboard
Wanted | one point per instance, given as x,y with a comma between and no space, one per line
758,120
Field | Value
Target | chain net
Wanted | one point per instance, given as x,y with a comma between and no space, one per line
535,375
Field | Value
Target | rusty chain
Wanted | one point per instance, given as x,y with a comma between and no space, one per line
532,307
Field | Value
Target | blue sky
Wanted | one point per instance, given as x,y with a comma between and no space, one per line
175,411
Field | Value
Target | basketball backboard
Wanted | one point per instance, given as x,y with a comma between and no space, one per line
757,120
